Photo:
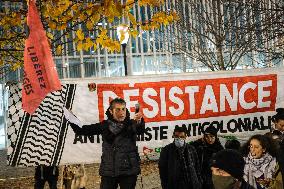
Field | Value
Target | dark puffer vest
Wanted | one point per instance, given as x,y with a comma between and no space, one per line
119,151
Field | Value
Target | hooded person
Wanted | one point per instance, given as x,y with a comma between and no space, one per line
206,147
178,164
228,169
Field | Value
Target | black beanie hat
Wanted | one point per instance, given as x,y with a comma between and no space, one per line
278,115
179,129
230,161
211,130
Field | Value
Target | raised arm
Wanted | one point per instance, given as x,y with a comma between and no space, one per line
93,129
138,123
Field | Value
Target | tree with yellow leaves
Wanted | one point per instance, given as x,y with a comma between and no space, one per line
67,21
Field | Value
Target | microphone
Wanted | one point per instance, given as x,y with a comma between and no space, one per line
137,108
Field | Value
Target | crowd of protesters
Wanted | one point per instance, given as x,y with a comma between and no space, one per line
257,164
201,164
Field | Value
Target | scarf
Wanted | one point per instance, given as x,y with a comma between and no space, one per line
256,168
115,127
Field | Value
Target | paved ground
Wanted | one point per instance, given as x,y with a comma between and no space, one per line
22,178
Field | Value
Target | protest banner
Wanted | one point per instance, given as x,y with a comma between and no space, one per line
40,74
238,103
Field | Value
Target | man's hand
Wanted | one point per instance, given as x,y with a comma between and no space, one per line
138,117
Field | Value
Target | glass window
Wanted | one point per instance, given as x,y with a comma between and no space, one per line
74,68
2,133
116,66
3,104
91,67
137,67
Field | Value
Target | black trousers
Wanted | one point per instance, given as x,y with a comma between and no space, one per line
124,182
39,183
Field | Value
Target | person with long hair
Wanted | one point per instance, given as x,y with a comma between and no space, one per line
261,165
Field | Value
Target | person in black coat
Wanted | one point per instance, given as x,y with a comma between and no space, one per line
178,164
206,147
228,169
44,174
120,161
277,136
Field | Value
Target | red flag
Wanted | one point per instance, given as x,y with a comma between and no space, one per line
40,75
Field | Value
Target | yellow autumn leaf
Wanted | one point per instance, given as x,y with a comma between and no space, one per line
170,18
16,66
95,46
85,47
89,10
132,18
95,18
75,7
79,46
82,16
52,25
88,44
129,2
103,32
99,40
175,15
145,27
110,19
89,25
117,46
134,33
122,36
80,35
63,26
49,35
165,22
59,50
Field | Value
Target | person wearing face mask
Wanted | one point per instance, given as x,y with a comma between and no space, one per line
228,169
261,169
179,166
206,147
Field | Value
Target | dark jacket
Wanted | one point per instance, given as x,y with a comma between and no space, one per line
279,144
179,168
205,152
119,151
280,159
244,185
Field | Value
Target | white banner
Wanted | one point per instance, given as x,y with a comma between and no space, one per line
238,103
